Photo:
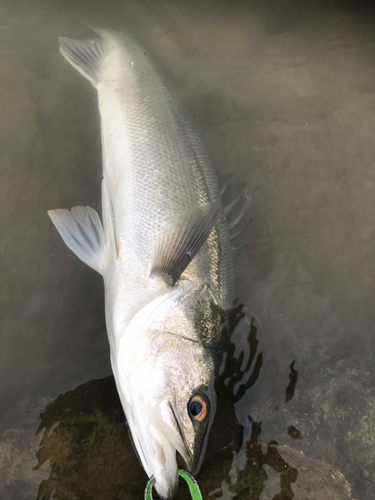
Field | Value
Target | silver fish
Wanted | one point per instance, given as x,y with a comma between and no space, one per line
164,251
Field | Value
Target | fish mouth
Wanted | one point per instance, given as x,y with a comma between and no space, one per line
173,454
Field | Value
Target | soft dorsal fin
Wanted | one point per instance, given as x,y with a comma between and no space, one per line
175,250
86,56
82,232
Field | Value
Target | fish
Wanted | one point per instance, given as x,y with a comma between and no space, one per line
164,250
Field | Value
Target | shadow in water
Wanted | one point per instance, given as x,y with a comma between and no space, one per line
251,481
293,377
234,379
240,373
87,444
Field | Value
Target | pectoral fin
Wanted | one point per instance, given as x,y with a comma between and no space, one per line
176,249
82,232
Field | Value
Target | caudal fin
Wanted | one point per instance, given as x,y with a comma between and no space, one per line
86,56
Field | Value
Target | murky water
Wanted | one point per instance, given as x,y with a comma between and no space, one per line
285,95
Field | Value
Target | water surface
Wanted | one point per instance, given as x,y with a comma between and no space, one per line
285,95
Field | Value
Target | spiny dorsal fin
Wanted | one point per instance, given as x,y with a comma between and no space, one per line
223,180
175,250
85,55
235,200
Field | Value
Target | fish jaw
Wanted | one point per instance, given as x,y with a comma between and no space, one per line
156,440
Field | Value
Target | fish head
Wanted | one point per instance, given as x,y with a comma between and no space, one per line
167,387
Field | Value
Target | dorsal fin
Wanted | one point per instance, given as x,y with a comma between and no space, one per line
235,200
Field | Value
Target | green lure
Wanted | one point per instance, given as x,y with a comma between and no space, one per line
193,486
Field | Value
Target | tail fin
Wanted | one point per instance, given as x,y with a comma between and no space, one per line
86,56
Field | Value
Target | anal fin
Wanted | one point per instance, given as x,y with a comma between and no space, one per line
82,232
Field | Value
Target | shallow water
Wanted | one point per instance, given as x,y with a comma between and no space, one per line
285,95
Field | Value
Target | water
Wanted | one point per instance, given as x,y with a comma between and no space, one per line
285,95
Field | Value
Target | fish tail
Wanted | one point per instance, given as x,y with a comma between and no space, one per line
87,56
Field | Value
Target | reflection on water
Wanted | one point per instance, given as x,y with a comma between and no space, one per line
285,95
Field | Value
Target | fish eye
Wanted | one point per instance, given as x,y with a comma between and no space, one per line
198,407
